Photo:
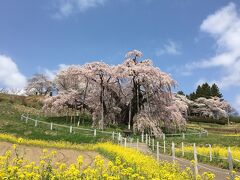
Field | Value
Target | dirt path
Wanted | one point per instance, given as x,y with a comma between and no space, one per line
33,154
220,174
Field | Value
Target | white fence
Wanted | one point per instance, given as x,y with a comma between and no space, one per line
153,144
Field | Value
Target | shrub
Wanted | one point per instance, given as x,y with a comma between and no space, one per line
221,121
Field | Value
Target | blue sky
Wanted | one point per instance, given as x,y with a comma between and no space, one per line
194,41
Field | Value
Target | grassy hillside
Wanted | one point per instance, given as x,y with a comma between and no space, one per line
11,108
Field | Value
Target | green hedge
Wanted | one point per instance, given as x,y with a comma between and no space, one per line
208,120
235,119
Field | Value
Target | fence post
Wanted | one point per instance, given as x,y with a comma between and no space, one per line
119,136
210,152
149,141
157,151
137,143
51,126
230,162
26,120
142,137
95,133
183,136
36,123
113,133
182,149
164,147
125,142
153,144
146,139
195,160
70,130
173,152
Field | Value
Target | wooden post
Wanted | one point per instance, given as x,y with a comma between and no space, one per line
182,149
142,137
125,142
36,122
137,144
78,123
119,136
164,147
195,160
51,126
149,141
130,115
157,151
70,130
230,162
113,133
210,152
95,133
153,144
173,152
146,139
183,136
164,137
26,120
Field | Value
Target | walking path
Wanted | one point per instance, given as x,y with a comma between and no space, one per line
220,174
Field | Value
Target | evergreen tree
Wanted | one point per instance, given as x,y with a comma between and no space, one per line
215,91
206,90
192,96
181,93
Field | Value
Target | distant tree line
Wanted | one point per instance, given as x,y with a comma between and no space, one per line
204,90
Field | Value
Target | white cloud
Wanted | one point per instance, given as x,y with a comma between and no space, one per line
171,48
52,73
224,27
10,77
65,8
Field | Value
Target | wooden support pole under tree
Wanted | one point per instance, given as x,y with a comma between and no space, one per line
153,144
146,139
149,141
70,129
95,133
164,147
195,160
130,115
173,152
36,123
157,151
142,137
125,142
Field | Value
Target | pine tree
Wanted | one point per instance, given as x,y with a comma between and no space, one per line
206,90
215,91
181,93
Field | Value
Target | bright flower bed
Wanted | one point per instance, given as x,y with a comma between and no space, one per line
125,163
